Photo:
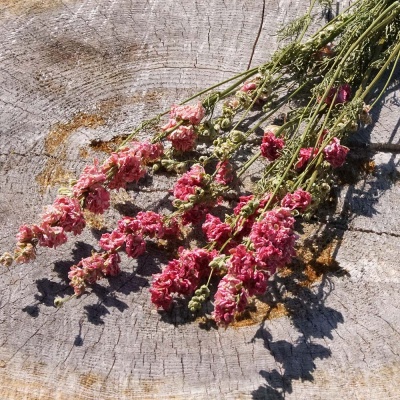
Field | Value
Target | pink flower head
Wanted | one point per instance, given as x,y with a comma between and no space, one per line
170,124
224,173
187,184
229,299
129,225
112,241
183,138
88,270
299,200
192,114
195,214
25,234
335,153
135,245
91,175
146,151
249,86
215,230
49,236
171,228
343,94
97,199
305,156
66,213
126,167
181,276
151,223
273,238
111,264
243,265
271,146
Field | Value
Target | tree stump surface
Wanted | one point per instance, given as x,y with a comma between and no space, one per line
77,74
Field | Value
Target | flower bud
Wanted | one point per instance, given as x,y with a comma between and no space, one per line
325,187
225,123
156,167
237,136
180,168
6,259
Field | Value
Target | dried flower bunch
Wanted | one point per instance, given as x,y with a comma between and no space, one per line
325,82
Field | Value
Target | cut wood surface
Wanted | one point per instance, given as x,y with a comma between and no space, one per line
77,74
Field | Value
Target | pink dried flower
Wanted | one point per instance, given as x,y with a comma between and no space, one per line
49,236
215,230
249,86
88,270
111,264
25,234
24,252
224,173
183,138
151,223
135,245
90,176
171,228
299,200
181,276
129,225
193,114
147,152
274,239
112,241
126,167
97,199
305,156
187,184
343,94
195,214
271,146
66,213
335,153
243,265
229,299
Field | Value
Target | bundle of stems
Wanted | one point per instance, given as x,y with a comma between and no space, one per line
317,89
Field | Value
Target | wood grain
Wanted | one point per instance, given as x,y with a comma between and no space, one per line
64,63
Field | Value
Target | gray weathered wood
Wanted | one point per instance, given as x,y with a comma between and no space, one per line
73,71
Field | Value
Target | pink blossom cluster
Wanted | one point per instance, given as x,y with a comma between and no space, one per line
91,269
245,278
64,215
182,120
183,138
132,231
335,153
181,276
189,182
299,199
129,164
271,146
244,223
90,189
188,185
274,239
216,230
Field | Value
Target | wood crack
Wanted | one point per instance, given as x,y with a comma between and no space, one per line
258,36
